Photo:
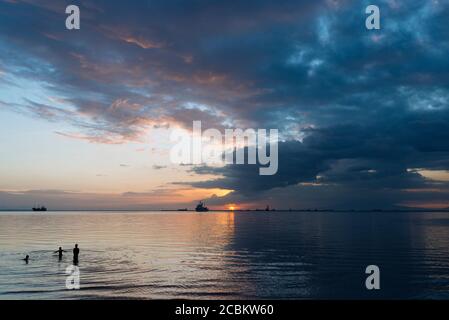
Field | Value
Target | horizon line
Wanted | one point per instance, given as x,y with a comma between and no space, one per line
240,210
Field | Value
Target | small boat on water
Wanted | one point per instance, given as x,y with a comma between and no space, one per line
39,208
201,207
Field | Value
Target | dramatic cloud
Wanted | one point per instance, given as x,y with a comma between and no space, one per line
361,113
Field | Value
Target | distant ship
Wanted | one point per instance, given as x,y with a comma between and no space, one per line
40,209
201,207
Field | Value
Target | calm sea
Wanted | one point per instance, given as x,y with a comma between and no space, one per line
225,255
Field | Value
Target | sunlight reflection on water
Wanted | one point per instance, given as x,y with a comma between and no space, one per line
225,255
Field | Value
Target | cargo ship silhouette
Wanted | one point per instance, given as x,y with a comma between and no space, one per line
201,207
39,208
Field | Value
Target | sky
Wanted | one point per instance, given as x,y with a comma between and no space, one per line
86,115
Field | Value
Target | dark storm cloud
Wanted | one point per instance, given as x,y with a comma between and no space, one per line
156,55
357,109
363,159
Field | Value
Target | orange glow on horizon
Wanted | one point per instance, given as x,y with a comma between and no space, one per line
196,193
426,205
232,206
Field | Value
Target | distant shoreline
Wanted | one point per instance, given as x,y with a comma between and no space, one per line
240,210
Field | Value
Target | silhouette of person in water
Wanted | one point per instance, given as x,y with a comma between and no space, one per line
26,259
76,252
60,251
